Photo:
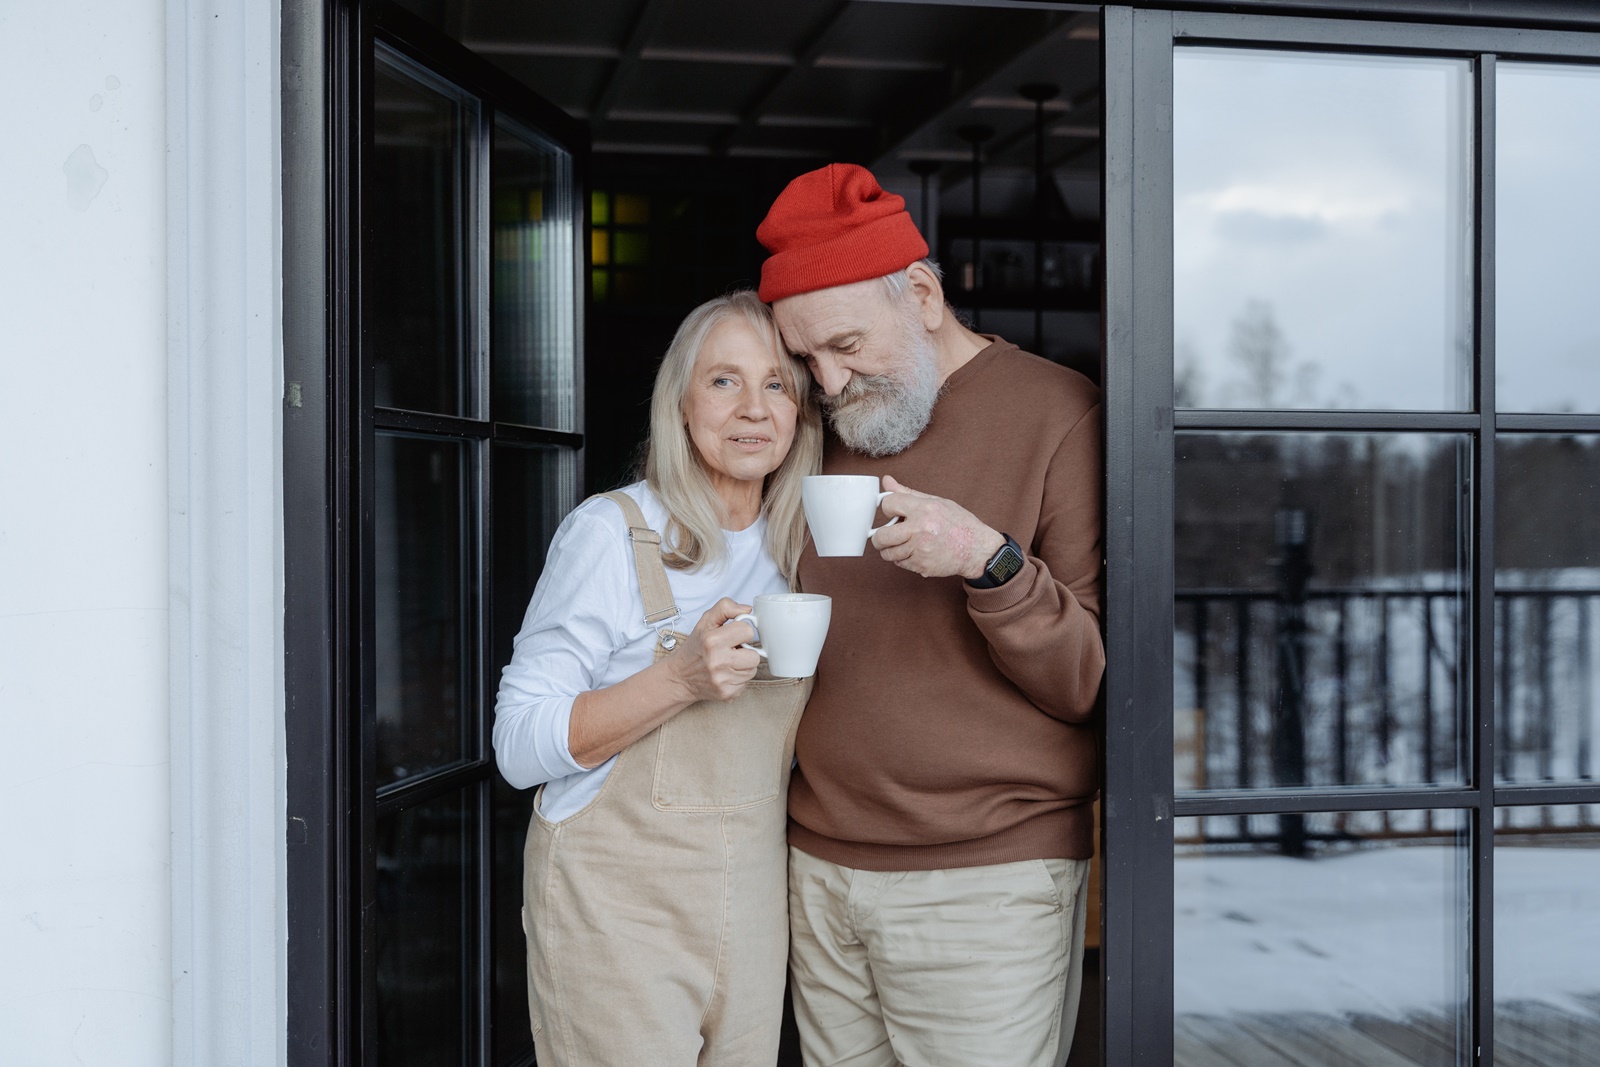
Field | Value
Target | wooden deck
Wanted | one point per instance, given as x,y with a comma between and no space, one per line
1527,1034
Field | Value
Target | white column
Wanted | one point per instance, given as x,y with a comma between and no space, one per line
225,532
84,900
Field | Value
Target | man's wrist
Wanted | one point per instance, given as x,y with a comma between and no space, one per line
989,547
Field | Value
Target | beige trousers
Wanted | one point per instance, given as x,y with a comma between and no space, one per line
966,967
655,916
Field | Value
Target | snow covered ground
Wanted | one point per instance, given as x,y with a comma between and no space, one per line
1380,930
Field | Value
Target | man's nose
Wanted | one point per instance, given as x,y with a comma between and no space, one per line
830,376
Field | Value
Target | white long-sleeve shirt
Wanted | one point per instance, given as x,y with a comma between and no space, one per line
585,629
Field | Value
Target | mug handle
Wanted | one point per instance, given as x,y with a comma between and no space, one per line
873,532
751,619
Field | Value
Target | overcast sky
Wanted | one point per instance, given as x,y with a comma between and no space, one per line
1332,194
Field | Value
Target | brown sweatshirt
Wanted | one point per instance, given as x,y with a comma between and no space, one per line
950,726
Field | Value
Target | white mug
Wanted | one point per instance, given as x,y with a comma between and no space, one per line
839,510
791,628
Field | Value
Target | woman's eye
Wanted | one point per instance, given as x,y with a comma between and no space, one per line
775,385
722,381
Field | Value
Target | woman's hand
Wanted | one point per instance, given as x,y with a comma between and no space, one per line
709,665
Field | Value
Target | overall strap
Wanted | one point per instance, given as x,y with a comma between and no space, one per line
659,605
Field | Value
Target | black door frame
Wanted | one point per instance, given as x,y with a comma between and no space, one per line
330,422
1139,800
322,86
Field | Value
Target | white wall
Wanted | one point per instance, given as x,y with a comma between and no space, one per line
84,897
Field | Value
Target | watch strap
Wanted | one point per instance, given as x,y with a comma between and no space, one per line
1002,566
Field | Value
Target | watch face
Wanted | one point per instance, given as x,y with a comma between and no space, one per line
1006,564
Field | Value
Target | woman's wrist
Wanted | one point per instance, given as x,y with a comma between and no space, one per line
676,687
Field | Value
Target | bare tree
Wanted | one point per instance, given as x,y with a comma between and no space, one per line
1262,352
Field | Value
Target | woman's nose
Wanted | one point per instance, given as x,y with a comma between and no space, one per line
753,404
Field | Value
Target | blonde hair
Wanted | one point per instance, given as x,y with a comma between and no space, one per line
677,475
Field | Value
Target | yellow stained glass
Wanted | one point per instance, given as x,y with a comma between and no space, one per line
600,208
633,209
599,247
600,285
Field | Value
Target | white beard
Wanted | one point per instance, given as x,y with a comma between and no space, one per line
882,414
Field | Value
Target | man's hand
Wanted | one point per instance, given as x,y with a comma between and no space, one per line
935,537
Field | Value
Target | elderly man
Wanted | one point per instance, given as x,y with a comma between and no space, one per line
940,815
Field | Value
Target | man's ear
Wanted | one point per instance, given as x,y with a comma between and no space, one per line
929,294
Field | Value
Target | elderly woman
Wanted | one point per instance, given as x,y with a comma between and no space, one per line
654,886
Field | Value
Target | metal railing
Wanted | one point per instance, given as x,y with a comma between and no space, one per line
1292,687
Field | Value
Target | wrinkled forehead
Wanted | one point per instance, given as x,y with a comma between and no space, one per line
811,321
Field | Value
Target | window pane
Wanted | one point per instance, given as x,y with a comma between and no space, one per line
422,915
420,549
534,488
1320,619
534,308
1351,949
633,209
512,1033
633,247
1547,606
1547,238
1322,242
1547,936
418,272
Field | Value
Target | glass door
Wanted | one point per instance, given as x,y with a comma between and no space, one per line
1349,500
469,443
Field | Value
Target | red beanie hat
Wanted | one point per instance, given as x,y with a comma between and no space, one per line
835,226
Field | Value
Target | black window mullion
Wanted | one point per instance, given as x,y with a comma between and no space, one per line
408,794
1136,816
1483,569
1288,802
1363,421
1547,795
1548,423
481,256
364,855
484,677
419,422
1380,30
482,918
512,433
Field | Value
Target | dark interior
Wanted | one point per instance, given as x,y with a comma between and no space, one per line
701,112
986,119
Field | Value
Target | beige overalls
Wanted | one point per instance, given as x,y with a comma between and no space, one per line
657,916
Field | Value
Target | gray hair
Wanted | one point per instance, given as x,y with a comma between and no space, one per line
899,283
672,465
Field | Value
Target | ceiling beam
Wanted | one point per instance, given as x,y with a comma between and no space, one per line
717,55
1001,145
810,50
978,88
974,89
649,17
544,49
